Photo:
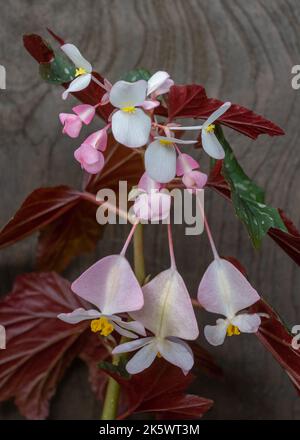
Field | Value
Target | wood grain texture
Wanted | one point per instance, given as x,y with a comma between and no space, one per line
241,51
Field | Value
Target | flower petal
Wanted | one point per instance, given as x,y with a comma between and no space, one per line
142,359
111,285
157,80
176,353
215,115
72,124
185,163
86,112
211,145
131,129
215,334
79,315
79,83
127,94
150,104
223,289
124,332
160,162
132,345
98,139
168,310
154,206
147,184
195,179
247,323
74,54
135,326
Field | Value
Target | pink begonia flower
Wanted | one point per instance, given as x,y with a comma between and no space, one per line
130,125
72,124
91,160
185,167
168,313
112,287
83,71
150,203
224,290
159,83
210,143
160,158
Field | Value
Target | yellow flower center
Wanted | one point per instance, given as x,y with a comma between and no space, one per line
129,109
102,325
158,354
210,128
80,71
165,142
233,330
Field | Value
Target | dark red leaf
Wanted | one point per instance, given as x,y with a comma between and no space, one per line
190,101
38,48
40,347
161,388
217,181
277,339
40,208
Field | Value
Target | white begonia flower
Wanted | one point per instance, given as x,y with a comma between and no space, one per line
130,125
83,71
159,83
210,143
160,158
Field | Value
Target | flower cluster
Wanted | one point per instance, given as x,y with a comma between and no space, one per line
158,317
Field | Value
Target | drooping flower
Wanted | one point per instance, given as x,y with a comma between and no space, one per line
83,71
130,124
159,83
160,158
112,287
149,202
168,313
224,290
210,143
186,167
89,154
72,123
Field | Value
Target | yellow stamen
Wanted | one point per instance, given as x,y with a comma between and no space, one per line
130,109
102,325
165,142
210,128
80,71
233,330
158,354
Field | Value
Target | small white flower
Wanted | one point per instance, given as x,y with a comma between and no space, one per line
83,71
159,83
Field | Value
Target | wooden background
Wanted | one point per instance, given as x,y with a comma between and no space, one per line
241,51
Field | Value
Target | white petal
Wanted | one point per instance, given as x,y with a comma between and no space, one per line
156,81
176,353
79,83
160,162
134,326
132,345
131,129
142,359
79,315
74,54
175,140
211,145
247,323
215,115
124,332
126,94
215,334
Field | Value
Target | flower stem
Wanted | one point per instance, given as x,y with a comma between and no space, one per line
113,390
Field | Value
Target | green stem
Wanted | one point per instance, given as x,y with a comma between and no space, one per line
113,390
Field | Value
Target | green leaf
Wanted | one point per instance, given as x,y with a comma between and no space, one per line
60,70
247,197
115,369
136,74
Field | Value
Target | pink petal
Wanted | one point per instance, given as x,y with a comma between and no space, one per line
111,285
148,184
185,163
86,112
90,159
150,104
98,139
195,179
72,124
168,310
223,289
154,206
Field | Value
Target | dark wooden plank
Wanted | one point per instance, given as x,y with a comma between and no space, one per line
241,51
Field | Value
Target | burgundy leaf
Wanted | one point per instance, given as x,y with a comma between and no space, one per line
190,101
38,48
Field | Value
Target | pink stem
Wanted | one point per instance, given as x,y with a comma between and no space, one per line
171,247
208,231
123,251
99,83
